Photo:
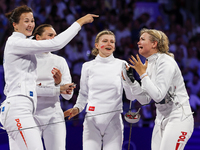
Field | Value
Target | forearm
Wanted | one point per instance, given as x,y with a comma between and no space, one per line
81,102
67,96
153,91
139,94
128,91
27,46
48,91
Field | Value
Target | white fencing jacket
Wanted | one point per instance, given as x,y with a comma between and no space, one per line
101,86
47,92
20,61
163,73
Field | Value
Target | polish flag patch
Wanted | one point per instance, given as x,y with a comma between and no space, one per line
91,108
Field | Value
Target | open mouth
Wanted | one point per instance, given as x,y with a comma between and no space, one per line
29,30
108,48
140,47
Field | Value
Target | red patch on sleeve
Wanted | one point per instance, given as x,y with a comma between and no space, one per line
91,108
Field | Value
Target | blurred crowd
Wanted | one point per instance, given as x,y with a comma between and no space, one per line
173,18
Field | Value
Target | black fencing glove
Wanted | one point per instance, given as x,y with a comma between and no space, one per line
128,74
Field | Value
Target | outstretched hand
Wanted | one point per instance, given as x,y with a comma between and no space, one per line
71,112
89,18
137,64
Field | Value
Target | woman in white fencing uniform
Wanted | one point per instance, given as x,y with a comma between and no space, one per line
162,82
49,115
101,88
20,75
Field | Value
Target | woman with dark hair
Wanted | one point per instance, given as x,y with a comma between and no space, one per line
49,114
20,75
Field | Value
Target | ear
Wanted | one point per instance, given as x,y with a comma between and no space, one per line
96,45
154,44
14,26
37,37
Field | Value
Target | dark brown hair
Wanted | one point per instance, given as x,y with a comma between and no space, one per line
14,15
40,29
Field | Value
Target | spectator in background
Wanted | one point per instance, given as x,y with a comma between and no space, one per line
191,65
194,100
195,105
77,55
121,32
175,16
194,84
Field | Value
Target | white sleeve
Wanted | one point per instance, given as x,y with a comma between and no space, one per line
127,88
164,74
66,77
140,94
28,46
128,91
47,91
83,92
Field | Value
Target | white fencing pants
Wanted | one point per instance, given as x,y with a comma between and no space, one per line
17,119
173,133
99,131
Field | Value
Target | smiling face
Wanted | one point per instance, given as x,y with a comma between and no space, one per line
106,45
146,47
26,24
49,33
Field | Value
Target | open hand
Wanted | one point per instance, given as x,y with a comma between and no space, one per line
137,64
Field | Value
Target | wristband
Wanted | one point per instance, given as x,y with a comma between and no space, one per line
143,75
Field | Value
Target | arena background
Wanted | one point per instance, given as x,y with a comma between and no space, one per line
179,19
